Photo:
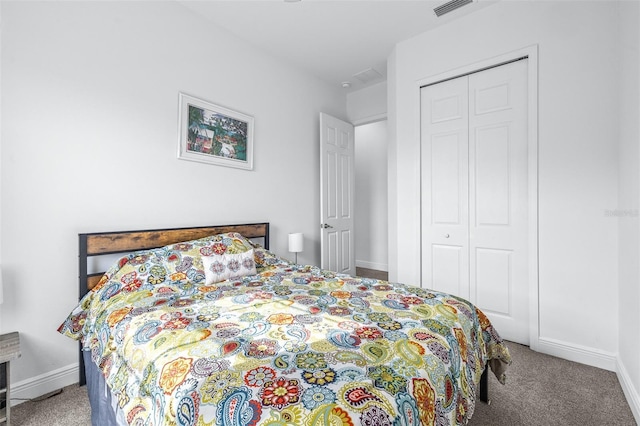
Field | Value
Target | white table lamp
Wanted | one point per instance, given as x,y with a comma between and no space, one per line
296,243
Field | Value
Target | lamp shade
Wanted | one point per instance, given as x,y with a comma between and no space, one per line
296,242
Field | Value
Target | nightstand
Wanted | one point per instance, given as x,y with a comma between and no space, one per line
9,349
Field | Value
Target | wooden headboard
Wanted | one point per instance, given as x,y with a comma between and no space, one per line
103,243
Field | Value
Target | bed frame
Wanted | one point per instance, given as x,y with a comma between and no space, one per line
103,243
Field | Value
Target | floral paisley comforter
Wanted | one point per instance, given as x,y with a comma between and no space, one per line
288,345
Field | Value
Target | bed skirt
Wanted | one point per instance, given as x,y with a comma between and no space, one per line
104,407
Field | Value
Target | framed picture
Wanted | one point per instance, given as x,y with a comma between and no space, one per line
213,134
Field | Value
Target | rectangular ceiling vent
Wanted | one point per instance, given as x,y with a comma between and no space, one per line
450,6
368,75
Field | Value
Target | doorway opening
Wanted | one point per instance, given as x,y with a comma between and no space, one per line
371,200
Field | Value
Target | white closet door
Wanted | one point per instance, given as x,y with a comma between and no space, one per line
498,238
493,203
445,187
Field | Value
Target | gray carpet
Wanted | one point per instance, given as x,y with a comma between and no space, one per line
541,390
69,407
545,390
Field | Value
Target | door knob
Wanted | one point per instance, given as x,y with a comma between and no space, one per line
326,225
446,235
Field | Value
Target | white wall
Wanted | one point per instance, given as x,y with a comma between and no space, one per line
629,204
579,102
577,153
371,196
89,137
367,105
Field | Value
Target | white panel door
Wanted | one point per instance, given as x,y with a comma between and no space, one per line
445,193
498,202
337,186
474,193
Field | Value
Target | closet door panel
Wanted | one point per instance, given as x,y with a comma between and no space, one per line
498,198
445,178
445,187
447,267
494,276
492,196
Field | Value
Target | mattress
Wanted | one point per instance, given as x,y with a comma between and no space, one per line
220,331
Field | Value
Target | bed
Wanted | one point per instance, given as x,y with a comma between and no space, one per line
206,326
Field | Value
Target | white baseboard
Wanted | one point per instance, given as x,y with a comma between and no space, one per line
577,353
632,394
372,265
44,383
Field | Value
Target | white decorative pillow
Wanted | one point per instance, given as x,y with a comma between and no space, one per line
220,267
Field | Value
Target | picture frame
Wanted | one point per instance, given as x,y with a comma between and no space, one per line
213,134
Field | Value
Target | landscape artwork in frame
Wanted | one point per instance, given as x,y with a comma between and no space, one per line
213,134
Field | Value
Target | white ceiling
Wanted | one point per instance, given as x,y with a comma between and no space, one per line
331,39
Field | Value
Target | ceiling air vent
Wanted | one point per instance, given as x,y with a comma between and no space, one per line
450,6
368,75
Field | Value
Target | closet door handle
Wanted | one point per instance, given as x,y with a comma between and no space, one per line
446,235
